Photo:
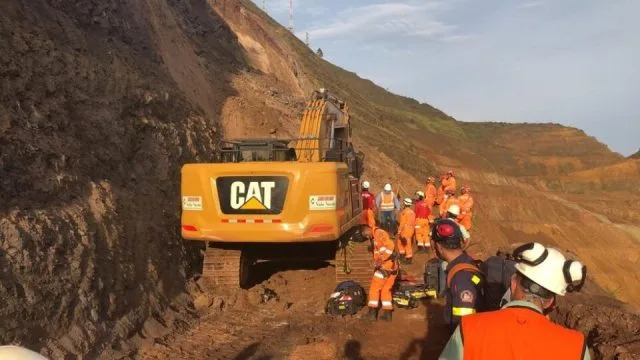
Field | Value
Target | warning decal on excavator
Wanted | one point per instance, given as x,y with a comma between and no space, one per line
252,195
192,203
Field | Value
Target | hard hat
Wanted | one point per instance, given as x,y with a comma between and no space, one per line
420,193
448,233
465,189
387,187
365,184
450,172
548,268
454,210
408,201
12,352
431,179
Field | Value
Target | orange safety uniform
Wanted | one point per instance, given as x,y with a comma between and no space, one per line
518,332
449,183
386,270
406,231
368,204
423,212
430,194
465,201
451,200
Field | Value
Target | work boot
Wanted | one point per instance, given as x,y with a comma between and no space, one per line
386,315
372,315
408,261
420,250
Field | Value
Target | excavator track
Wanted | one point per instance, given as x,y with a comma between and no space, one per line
354,262
226,267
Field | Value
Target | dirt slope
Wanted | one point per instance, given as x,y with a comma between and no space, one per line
102,101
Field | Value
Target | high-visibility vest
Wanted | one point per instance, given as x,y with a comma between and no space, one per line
518,333
387,203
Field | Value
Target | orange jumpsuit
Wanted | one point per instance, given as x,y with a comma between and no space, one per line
430,194
406,231
386,270
451,200
466,204
449,183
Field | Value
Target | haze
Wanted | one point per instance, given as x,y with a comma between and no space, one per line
573,62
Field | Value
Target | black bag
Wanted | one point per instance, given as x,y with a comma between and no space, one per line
432,270
348,299
497,272
403,300
407,292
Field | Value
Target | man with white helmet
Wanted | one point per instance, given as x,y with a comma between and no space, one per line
368,205
387,204
406,230
12,352
453,213
423,211
520,329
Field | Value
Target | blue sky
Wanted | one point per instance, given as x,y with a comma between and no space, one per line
574,62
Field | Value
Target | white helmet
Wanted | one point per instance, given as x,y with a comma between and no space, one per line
387,187
548,268
12,352
408,201
365,185
454,209
420,193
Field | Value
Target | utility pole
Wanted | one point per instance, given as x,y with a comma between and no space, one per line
307,40
291,15
264,5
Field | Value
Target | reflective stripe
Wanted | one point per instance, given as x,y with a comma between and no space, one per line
378,274
463,311
417,226
388,251
373,302
251,221
402,252
382,249
387,303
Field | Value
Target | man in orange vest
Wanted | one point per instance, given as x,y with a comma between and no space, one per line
385,272
406,230
368,204
423,212
449,181
450,199
520,330
430,193
465,201
387,204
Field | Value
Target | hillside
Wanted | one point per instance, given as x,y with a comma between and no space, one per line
102,102
636,155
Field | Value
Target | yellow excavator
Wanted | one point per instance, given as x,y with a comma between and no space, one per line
279,199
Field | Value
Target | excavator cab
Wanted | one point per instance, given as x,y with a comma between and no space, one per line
235,151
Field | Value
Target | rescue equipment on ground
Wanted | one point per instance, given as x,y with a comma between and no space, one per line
347,299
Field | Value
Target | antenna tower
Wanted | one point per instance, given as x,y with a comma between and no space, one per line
291,15
307,40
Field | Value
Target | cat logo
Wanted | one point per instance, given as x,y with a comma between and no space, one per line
254,196
246,195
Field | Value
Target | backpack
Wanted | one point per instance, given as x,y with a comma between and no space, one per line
495,273
408,291
347,299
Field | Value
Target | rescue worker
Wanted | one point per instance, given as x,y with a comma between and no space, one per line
387,204
430,192
466,204
463,291
520,329
454,213
440,192
368,205
423,212
385,272
449,182
450,199
406,230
